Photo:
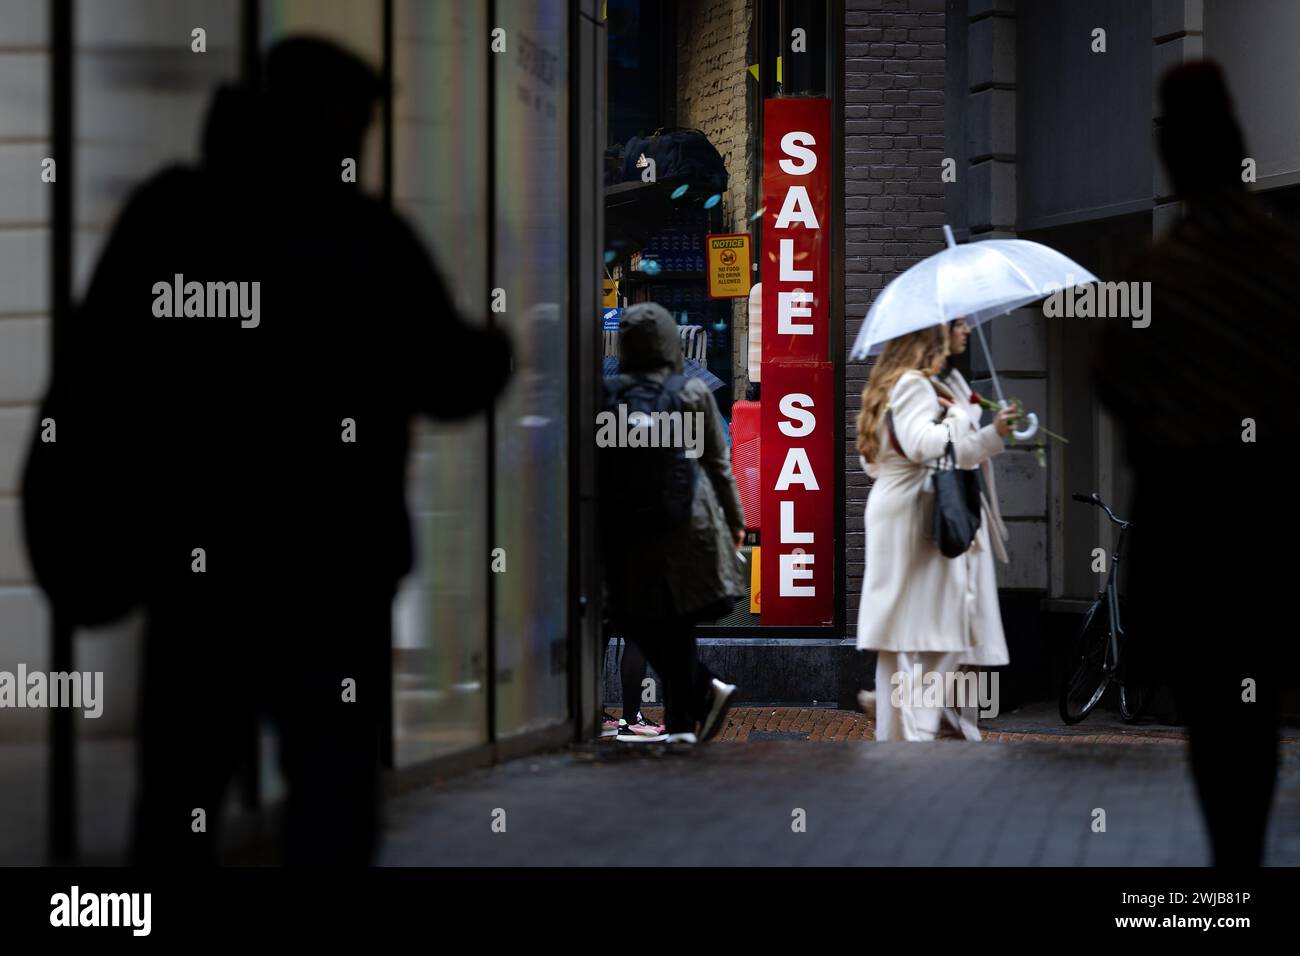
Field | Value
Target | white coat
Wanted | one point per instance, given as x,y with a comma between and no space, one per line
913,598
960,392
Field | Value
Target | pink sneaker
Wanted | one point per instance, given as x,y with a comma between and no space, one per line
608,725
642,731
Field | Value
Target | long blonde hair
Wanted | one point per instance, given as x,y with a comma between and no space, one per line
925,351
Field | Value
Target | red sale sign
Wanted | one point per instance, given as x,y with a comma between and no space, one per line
798,399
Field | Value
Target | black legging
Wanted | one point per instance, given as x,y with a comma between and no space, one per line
632,667
669,646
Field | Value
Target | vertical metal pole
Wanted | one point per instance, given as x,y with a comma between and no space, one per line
387,72
384,669
781,40
756,100
834,84
490,679
62,779
574,629
249,776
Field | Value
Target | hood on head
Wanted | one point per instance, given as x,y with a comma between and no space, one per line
648,339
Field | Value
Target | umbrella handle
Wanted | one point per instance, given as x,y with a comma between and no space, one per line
1030,430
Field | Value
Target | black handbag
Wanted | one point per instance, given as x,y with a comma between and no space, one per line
956,505
956,498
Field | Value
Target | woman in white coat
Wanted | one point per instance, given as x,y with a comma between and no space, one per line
925,615
963,399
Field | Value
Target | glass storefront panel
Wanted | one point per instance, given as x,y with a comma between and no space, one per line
531,270
439,183
491,203
140,99
440,171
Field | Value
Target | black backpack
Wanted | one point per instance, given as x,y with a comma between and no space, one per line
678,153
645,489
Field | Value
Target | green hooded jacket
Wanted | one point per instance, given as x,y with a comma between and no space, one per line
691,570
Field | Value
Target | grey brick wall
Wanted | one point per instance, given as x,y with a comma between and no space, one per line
893,198
24,328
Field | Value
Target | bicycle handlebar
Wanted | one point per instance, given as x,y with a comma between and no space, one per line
1095,499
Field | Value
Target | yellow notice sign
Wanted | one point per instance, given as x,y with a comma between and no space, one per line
609,297
755,579
728,265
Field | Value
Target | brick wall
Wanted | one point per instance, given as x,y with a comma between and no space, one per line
893,148
712,84
24,325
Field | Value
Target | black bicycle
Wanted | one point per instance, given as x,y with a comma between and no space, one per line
1098,654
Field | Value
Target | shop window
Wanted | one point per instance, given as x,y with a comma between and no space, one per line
675,90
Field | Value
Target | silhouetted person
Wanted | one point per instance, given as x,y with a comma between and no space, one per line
274,442
1208,588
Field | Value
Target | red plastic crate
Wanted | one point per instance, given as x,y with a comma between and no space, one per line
745,458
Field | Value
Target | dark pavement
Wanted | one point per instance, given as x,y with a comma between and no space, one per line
1025,797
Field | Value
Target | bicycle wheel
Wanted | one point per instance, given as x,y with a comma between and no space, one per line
1134,692
1133,700
1086,678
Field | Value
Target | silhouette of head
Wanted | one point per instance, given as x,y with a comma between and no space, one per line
1200,141
233,132
320,97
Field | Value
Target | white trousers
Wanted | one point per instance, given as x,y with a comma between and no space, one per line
900,716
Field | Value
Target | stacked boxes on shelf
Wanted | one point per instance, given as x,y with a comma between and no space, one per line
679,246
680,284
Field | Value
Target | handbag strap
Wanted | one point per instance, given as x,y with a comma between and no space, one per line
893,438
949,452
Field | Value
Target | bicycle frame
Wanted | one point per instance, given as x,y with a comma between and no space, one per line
1098,659
1112,597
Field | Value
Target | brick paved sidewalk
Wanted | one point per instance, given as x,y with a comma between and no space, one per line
1034,722
786,723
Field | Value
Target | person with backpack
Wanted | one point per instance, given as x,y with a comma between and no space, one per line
671,522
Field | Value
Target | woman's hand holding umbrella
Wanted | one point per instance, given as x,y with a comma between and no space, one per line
1015,412
1004,421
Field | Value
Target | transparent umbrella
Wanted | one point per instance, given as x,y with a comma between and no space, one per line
975,281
